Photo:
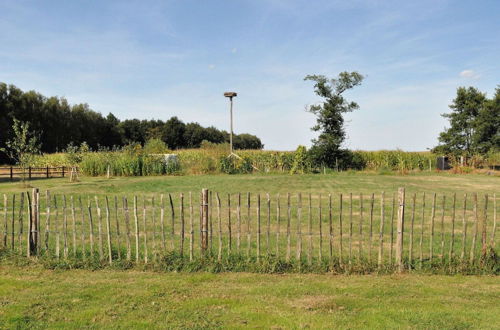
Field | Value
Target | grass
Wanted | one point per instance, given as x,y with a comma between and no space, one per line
346,182
34,297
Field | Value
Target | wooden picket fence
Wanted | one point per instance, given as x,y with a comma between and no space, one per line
383,230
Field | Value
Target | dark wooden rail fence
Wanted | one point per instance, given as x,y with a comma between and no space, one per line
383,230
12,172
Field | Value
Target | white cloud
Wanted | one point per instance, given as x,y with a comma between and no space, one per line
234,50
211,66
469,74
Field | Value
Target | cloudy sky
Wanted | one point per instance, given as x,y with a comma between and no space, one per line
157,59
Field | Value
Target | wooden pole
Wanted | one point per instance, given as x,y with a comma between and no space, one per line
330,227
229,229
391,251
13,219
117,223
219,254
278,223
360,246
162,223
474,235
340,229
320,253
464,228
56,227
108,230
127,228
136,222
381,232
204,221
5,213
91,227
484,248
82,226
433,214
73,223
172,230
372,202
65,228
183,226
400,229
422,228
288,227
452,242
443,207
309,232
30,224
268,227
145,230
210,220
258,227
492,239
299,228
350,228
99,227
249,228
238,224
153,220
412,223
20,224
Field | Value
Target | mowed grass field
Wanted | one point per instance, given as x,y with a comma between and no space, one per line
33,297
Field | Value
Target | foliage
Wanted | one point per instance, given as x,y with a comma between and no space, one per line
155,146
474,124
23,146
301,162
330,121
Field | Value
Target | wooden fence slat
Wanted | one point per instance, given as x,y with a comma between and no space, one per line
219,220
299,228
330,228
99,227
422,228
494,228
145,230
320,252
350,228
288,227
65,227
183,226
443,210
361,239
108,230
82,227
381,231
309,232
229,228
268,227
153,221
73,223
484,247
258,227
474,235
117,224
162,223
340,230
400,229
12,223
56,228
391,237
433,214
370,238
452,241
249,227
136,222
127,228
278,223
20,224
464,228
412,224
238,224
172,230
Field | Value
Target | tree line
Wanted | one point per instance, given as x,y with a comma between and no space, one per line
59,123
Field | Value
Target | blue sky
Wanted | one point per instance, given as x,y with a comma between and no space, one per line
157,59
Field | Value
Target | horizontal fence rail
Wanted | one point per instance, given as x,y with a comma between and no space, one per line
369,232
13,172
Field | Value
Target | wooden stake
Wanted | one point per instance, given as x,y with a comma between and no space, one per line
288,227
320,253
452,242
99,229
474,235
412,222
400,229
258,227
309,232
205,222
82,227
56,228
493,230
183,226
153,219
91,226
162,223
299,228
484,248
330,225
172,232
127,228
381,232
136,221
372,202
20,224
350,228
5,221
443,206
13,219
278,222
391,254
145,230
238,219
268,228
73,223
65,228
117,222
47,220
464,228
360,246
30,224
219,254
340,229
229,229
433,214
108,230
422,228
249,228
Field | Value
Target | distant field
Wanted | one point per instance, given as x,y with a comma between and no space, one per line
31,297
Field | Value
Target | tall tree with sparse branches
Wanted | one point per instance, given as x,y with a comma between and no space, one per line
330,112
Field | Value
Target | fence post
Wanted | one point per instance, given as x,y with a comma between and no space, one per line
29,172
33,225
400,229
63,171
204,221
47,172
11,173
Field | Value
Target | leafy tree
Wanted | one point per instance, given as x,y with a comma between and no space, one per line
23,147
173,133
473,124
330,121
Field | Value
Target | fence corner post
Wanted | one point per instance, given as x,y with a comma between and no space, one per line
400,229
204,220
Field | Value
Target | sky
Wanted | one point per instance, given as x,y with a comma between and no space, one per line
157,59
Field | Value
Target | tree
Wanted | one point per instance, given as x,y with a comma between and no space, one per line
469,127
23,147
487,137
330,121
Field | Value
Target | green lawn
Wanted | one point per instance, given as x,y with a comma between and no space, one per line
34,297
